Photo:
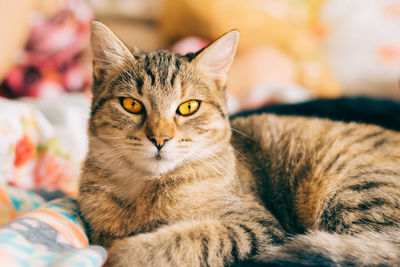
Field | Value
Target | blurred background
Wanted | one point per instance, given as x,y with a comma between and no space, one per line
290,51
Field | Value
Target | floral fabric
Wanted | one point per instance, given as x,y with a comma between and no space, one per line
34,158
31,155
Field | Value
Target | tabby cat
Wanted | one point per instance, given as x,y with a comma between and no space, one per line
169,180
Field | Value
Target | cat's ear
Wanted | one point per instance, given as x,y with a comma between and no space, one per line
109,53
216,59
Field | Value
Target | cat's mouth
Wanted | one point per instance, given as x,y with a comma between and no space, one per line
158,156
161,157
160,163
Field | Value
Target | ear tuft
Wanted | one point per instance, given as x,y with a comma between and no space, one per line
216,59
109,52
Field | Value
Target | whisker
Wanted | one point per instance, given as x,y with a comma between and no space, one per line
241,154
243,134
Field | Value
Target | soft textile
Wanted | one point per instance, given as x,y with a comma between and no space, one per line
43,151
51,235
42,144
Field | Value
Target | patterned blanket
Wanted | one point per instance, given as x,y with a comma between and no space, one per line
35,160
43,233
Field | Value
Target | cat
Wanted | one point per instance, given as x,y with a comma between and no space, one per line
169,180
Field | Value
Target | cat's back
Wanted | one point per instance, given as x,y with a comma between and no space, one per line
270,128
299,161
292,138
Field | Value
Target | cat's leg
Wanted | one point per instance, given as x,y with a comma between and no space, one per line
222,241
99,210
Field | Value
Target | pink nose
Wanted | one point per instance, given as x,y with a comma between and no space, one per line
159,141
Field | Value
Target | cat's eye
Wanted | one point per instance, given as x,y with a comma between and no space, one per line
131,105
188,108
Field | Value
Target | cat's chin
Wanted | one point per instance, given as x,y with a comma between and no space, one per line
157,166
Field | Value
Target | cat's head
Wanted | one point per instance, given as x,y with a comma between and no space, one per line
158,110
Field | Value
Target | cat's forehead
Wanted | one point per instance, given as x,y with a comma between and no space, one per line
162,62
160,68
160,57
158,73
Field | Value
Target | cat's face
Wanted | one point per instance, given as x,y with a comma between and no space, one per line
158,110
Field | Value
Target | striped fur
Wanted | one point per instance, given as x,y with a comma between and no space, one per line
334,186
273,189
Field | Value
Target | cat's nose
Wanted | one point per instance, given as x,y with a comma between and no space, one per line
159,141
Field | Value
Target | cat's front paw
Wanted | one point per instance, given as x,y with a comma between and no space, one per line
185,244
141,250
130,251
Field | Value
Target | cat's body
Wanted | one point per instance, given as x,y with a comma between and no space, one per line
164,185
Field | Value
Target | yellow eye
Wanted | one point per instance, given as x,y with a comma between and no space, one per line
188,108
131,105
